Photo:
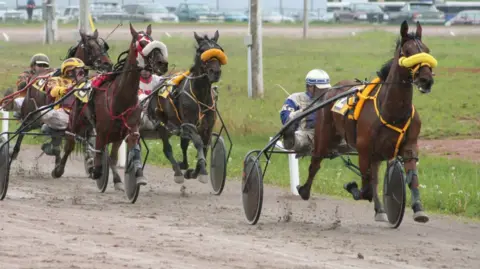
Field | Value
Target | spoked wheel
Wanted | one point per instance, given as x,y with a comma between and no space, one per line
102,182
394,192
4,167
252,188
218,164
132,189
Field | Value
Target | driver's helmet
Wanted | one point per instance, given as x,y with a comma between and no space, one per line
39,58
71,64
319,78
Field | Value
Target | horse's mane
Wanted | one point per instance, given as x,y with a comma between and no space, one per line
385,68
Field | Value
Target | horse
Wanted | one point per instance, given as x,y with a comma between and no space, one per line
93,53
112,110
189,110
387,126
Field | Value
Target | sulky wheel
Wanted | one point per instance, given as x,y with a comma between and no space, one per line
394,192
252,188
4,167
102,182
218,164
132,189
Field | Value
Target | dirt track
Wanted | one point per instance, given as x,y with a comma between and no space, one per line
161,31
66,223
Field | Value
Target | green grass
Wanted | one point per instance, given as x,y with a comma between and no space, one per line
449,110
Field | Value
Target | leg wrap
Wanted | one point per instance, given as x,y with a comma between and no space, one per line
412,182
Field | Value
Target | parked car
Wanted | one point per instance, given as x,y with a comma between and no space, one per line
150,12
8,14
235,16
470,17
366,12
198,12
276,17
424,12
108,10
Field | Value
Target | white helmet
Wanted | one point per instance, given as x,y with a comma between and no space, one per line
319,78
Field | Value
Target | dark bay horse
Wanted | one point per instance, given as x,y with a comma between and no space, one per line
377,133
190,111
113,111
92,51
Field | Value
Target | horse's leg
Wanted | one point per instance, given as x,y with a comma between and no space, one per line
366,192
133,147
117,181
410,157
189,130
380,214
167,150
184,142
69,147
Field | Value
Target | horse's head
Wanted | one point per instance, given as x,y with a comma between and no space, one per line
414,55
210,56
152,55
95,52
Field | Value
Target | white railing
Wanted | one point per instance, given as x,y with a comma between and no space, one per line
5,116
292,167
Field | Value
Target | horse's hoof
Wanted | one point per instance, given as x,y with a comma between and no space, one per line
118,186
188,174
57,172
178,179
420,216
203,179
350,186
142,181
381,217
303,192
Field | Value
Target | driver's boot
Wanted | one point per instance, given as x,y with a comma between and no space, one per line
289,137
52,148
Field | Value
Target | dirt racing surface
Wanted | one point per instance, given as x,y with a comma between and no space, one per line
67,223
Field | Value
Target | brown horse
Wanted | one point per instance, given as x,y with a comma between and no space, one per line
95,56
190,110
387,126
113,108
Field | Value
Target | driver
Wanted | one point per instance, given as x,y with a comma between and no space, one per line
56,120
148,83
299,137
39,65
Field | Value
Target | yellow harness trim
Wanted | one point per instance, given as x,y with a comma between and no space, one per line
418,59
175,81
83,95
214,53
398,130
363,96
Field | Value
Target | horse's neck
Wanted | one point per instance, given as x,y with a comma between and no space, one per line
395,99
201,88
125,90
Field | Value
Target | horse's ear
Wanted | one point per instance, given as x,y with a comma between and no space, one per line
418,33
404,30
149,30
197,37
216,36
82,34
95,34
133,32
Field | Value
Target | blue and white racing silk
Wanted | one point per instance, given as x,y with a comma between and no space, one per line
293,105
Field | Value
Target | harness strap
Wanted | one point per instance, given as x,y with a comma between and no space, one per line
401,131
